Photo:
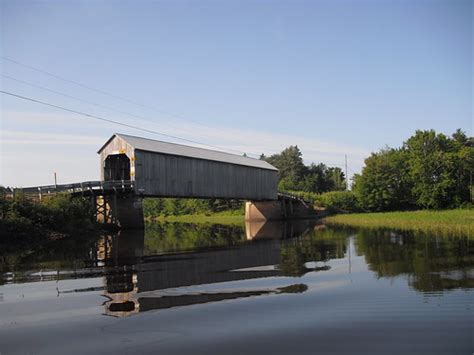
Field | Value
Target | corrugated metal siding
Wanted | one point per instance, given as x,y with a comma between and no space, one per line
173,176
165,175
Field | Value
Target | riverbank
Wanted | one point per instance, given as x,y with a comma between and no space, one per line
225,218
26,223
452,222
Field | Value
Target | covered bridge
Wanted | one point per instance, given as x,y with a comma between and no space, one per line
173,170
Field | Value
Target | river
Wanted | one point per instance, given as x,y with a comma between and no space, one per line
274,288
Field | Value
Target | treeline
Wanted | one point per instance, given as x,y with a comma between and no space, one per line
23,220
429,171
294,175
154,207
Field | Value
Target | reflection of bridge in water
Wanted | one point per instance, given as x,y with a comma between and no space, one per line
142,283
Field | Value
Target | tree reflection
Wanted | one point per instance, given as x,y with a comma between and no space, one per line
316,245
173,236
431,263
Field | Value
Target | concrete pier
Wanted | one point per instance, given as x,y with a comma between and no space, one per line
130,212
281,209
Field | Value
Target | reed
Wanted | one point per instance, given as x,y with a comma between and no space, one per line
452,222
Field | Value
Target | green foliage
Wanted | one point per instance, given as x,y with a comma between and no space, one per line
314,246
295,176
429,171
156,207
310,197
232,217
290,165
426,258
332,201
384,184
448,222
440,168
172,237
23,219
338,201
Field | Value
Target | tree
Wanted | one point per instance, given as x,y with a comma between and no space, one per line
336,179
384,183
465,152
431,170
290,165
440,168
314,179
294,175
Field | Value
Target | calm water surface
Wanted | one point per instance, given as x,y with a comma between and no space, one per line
294,288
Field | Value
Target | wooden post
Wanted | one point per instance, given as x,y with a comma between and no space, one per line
94,208
113,214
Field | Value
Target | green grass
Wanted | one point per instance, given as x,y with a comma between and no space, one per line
216,218
452,222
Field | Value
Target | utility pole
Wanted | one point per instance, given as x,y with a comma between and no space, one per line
347,178
55,180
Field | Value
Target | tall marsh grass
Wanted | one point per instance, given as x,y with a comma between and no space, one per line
449,222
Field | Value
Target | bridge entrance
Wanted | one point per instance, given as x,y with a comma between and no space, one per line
117,167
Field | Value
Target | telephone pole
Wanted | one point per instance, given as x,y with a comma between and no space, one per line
347,179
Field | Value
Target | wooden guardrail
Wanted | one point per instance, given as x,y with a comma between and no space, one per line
84,188
293,197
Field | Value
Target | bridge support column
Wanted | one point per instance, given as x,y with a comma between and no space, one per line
125,211
278,210
264,211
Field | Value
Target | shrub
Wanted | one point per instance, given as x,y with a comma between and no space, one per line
59,213
338,201
333,201
154,207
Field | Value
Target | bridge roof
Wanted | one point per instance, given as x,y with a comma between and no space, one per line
156,146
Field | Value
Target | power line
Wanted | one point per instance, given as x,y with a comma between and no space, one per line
115,122
70,81
111,121
69,96
123,99
100,91
77,98
107,94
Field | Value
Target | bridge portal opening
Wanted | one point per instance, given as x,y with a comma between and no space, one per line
117,167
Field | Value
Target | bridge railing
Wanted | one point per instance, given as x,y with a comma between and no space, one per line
86,187
290,196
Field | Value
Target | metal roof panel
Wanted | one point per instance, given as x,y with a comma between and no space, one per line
156,146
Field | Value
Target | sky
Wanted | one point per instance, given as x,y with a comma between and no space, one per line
334,77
